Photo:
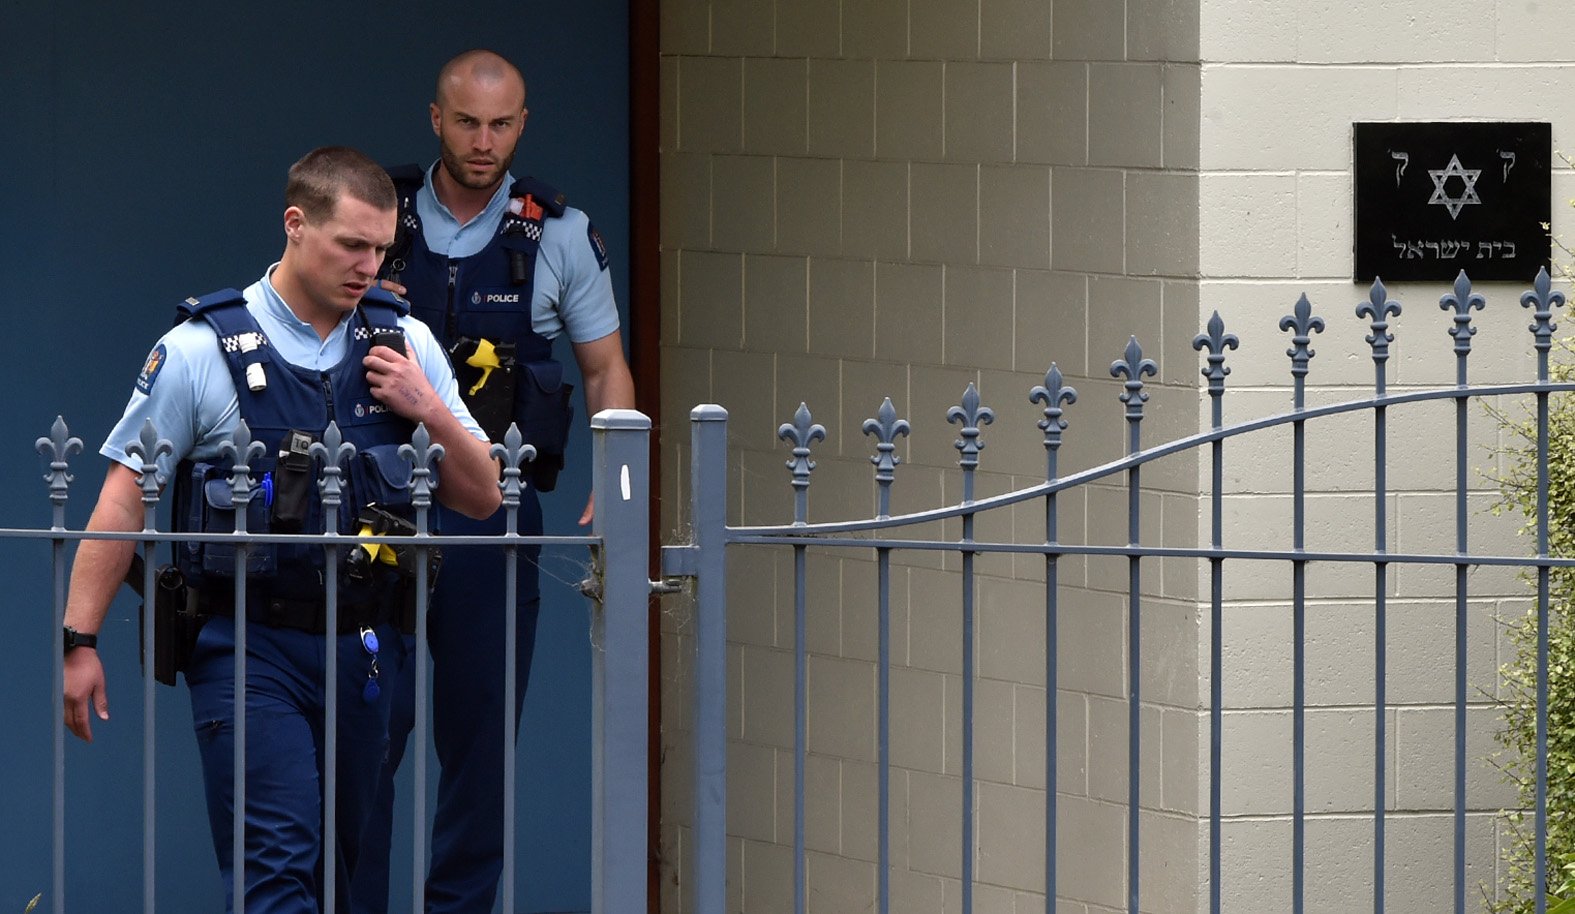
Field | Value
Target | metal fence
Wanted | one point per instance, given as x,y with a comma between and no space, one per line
621,587
618,587
705,560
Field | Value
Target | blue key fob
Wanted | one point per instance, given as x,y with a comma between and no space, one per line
372,689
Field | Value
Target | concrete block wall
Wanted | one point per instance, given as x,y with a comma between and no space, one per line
1281,83
859,200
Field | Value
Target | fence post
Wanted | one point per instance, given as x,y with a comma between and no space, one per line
620,628
708,495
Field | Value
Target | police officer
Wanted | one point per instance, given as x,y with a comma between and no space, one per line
499,268
295,347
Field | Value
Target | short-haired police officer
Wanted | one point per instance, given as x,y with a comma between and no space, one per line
290,353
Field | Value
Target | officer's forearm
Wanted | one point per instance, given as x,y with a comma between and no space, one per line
608,383
469,480
610,389
101,564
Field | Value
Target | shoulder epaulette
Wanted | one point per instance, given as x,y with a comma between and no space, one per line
543,193
377,295
192,307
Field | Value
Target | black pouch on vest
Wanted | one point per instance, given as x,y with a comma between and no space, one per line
213,511
487,378
545,415
292,483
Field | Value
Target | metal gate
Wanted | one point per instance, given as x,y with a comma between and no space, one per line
618,587
1227,553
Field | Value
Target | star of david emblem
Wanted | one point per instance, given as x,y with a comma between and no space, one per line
1441,175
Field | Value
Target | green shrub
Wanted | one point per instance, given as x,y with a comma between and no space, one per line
1518,488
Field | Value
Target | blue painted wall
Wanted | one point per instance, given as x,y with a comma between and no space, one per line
142,157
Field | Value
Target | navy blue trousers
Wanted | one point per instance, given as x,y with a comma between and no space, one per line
465,626
285,750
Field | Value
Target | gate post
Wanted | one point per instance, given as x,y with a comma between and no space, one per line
620,726
708,500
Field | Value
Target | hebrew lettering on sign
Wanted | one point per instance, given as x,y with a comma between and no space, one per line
1451,249
1404,158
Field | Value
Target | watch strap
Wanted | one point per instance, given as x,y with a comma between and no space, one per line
74,638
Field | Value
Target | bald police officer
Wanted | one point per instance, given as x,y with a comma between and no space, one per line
499,268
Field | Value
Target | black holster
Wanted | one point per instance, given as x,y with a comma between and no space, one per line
530,394
492,404
176,623
360,566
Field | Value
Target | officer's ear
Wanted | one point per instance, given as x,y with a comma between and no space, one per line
524,115
436,114
294,223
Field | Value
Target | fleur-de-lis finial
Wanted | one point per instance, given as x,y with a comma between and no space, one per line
512,453
1053,394
1303,325
1462,300
58,449
885,427
971,415
422,453
1543,298
1133,367
1379,307
332,452
1216,341
148,448
241,450
802,432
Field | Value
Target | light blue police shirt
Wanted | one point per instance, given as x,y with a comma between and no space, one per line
186,389
571,290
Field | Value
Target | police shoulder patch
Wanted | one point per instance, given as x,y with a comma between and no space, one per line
598,247
151,368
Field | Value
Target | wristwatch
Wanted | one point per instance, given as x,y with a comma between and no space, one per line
74,638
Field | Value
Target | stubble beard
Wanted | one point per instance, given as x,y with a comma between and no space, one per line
457,170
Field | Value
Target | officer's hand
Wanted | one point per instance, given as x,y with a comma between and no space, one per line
389,285
398,382
84,684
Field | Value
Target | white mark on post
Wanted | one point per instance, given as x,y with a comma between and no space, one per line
623,480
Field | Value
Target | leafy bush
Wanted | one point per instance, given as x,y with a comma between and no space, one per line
1518,488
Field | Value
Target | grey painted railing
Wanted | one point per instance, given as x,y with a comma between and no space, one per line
622,483
705,560
619,587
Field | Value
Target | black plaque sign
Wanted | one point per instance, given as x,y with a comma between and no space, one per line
1433,199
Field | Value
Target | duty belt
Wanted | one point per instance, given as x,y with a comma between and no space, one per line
307,615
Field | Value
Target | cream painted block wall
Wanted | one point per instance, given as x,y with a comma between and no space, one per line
899,197
1281,83
887,198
